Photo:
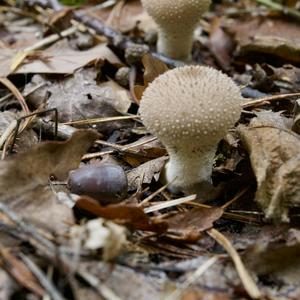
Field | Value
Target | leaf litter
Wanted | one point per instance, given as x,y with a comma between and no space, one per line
171,246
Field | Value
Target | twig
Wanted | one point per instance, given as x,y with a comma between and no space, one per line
44,281
236,197
114,37
116,147
28,229
101,120
51,39
171,203
149,198
279,7
6,82
228,215
192,278
7,132
263,100
245,277
101,288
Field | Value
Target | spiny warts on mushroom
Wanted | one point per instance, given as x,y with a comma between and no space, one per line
177,20
190,109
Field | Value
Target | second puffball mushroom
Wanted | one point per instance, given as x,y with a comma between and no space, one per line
190,109
177,20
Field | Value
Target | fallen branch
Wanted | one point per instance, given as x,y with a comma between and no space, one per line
114,37
281,8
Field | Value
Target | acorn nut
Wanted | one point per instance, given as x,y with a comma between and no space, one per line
106,183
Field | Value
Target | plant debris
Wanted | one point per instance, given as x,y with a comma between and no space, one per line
85,209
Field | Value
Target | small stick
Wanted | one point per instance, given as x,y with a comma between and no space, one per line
236,197
101,120
171,203
244,275
101,288
27,228
25,231
114,37
116,148
44,281
192,278
7,83
279,7
7,132
149,198
261,101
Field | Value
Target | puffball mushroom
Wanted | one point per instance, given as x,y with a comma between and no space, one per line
190,109
176,20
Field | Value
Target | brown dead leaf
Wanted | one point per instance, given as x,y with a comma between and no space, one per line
25,177
26,139
275,159
127,16
140,152
189,225
220,44
274,36
120,95
59,59
278,260
288,75
204,295
296,119
145,173
19,271
79,97
133,15
129,215
153,68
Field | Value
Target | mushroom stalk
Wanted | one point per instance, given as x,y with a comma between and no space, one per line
185,170
177,20
176,44
190,109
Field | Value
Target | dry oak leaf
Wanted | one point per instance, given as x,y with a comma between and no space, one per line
280,260
24,179
189,225
79,97
19,271
145,173
26,139
132,216
270,36
275,159
59,59
153,68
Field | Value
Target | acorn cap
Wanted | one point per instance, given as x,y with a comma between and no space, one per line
191,106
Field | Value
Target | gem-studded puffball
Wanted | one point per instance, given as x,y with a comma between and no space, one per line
176,20
170,13
191,104
190,109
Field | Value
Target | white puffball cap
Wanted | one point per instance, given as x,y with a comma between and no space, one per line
191,106
169,13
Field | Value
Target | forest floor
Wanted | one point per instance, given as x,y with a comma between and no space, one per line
71,80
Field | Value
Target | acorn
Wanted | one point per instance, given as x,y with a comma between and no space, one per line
106,183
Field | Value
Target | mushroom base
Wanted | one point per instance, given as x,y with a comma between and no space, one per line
175,44
191,174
